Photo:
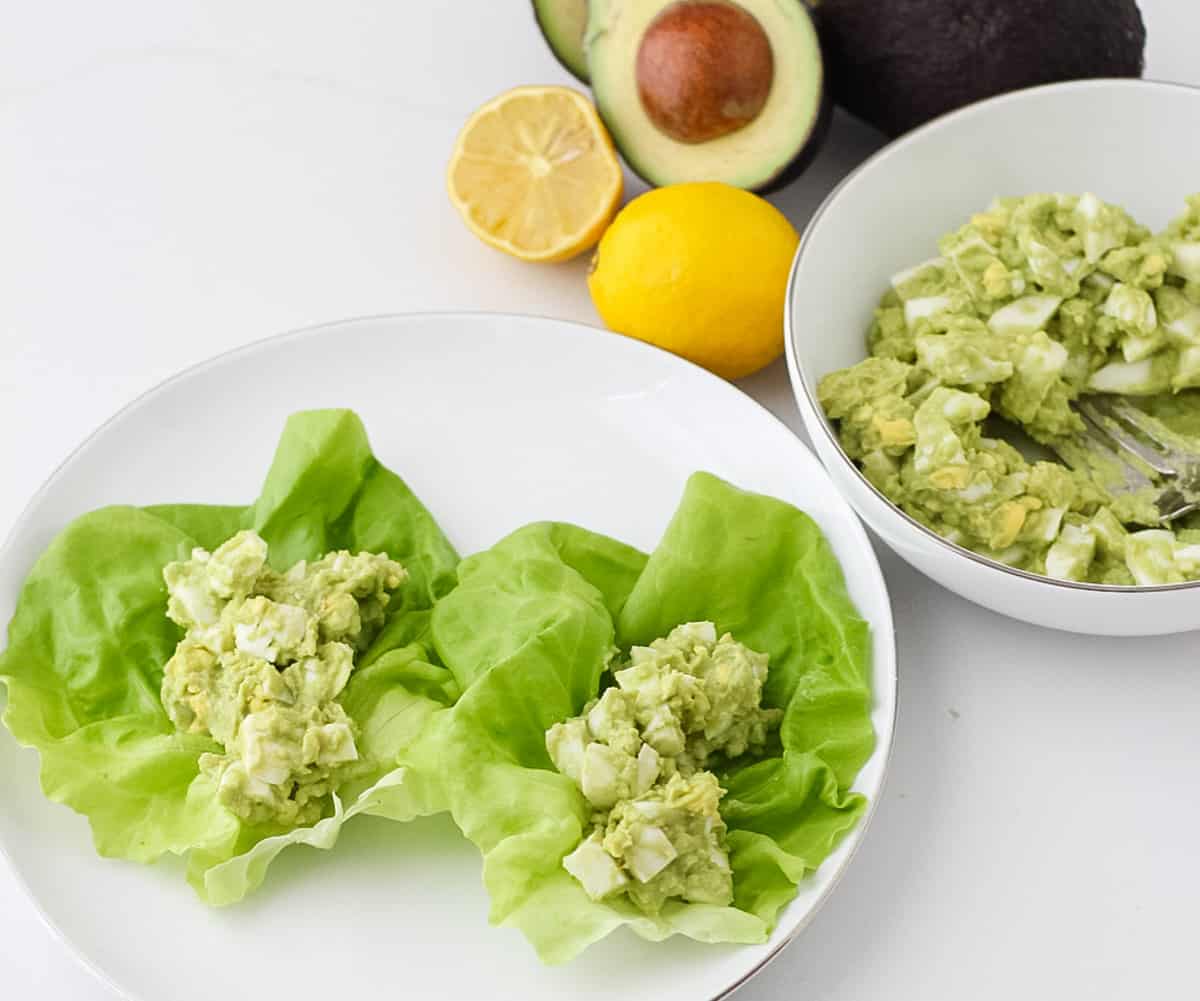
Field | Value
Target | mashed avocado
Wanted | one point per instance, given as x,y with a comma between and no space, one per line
261,666
639,754
1031,304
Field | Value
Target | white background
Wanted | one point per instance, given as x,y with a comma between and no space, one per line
180,178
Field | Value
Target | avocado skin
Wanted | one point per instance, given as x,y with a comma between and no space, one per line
574,63
899,63
820,126
812,146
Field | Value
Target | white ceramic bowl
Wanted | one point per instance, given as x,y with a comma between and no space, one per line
1133,142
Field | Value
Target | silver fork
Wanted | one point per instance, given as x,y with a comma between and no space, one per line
1147,454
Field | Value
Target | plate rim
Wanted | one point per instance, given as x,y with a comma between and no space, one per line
883,747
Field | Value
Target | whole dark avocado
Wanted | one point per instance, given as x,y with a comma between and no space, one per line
562,23
898,63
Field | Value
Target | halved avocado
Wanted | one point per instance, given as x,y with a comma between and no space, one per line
563,23
709,90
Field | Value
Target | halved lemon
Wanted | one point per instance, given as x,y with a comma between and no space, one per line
534,174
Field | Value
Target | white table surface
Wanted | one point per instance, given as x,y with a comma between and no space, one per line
180,178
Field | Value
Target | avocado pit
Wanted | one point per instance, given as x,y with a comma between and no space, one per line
704,69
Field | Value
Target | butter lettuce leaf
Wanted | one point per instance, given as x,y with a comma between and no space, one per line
90,636
529,634
763,571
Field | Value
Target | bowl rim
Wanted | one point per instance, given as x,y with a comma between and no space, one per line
796,369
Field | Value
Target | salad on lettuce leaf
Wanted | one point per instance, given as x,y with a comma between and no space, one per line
265,658
663,741
530,635
640,755
277,715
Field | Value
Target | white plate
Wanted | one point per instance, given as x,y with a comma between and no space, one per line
494,421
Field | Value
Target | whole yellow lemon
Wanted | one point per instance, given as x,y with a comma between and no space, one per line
699,269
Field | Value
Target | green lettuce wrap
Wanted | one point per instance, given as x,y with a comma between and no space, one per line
528,634
90,636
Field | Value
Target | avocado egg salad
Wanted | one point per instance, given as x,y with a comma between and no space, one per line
1033,303
663,741
638,754
264,658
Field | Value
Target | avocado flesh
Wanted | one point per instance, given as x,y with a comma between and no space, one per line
898,65
562,23
760,156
